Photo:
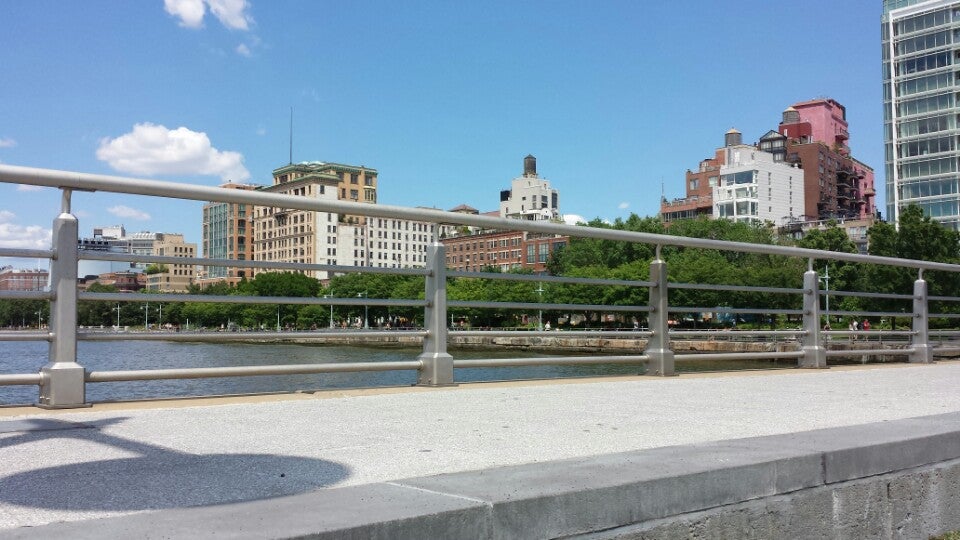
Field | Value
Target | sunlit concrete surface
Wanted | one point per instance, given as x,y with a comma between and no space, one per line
128,458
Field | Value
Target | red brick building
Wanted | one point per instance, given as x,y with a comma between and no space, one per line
23,280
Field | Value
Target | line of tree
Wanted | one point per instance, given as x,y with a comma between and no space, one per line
918,237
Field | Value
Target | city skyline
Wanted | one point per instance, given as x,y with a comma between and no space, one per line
444,101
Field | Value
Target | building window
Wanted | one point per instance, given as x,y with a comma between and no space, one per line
694,184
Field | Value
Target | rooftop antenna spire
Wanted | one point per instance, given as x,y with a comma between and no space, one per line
291,136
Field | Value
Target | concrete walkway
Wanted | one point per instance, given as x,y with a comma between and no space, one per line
129,458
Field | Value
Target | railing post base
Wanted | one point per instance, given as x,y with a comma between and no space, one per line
814,353
660,357
437,370
436,365
63,386
922,350
660,363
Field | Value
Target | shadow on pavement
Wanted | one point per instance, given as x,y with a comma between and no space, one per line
157,478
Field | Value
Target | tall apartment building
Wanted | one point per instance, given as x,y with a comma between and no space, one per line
921,110
228,234
299,236
530,197
175,277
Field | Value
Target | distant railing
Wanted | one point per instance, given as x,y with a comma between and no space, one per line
62,380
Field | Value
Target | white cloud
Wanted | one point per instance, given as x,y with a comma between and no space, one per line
624,205
25,187
190,12
261,131
127,212
243,50
13,235
7,142
153,149
231,13
573,219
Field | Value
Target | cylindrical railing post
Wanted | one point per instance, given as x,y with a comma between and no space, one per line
814,353
437,365
63,378
658,346
920,341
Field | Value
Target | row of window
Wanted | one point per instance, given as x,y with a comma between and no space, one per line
928,188
921,22
923,126
925,105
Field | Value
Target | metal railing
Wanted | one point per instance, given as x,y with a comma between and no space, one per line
62,379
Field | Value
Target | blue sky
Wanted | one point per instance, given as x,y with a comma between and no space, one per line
443,98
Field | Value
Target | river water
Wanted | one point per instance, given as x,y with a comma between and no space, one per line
28,357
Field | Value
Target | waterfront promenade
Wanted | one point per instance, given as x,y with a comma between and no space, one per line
162,458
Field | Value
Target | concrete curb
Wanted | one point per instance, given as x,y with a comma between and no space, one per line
559,498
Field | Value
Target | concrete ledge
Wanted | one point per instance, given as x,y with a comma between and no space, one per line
622,494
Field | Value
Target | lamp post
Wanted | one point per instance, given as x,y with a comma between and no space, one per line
117,309
539,292
826,288
331,310
146,317
39,319
278,318
160,319
366,323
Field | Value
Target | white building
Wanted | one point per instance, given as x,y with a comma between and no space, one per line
530,197
920,53
754,187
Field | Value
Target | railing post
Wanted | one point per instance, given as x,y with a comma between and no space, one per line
658,346
814,353
63,378
920,341
436,365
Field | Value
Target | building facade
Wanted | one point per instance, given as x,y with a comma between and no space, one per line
298,236
228,234
756,188
920,50
12,279
530,197
172,277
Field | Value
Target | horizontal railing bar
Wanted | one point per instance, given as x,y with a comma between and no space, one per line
232,263
736,333
548,361
724,309
861,352
548,279
945,333
739,288
740,356
26,253
247,371
543,307
25,336
214,335
943,298
243,299
901,315
944,315
21,379
879,333
26,295
867,294
946,349
552,333
176,190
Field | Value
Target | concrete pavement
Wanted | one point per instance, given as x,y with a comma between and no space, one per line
122,459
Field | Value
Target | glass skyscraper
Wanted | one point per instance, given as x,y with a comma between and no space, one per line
921,107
